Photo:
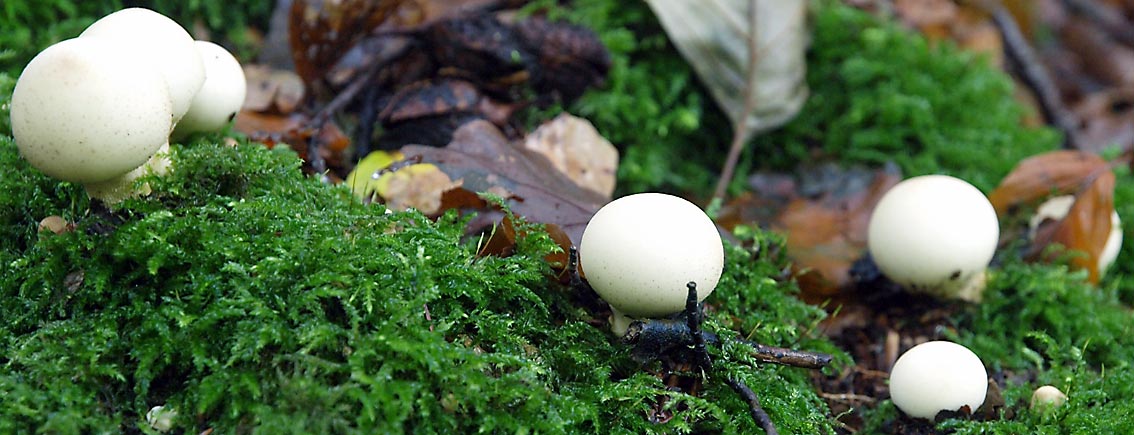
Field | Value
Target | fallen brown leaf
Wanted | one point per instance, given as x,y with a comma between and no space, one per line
1087,225
1039,176
481,159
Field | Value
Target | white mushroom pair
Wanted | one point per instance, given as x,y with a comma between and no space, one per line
99,109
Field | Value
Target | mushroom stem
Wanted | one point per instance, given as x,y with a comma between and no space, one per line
118,189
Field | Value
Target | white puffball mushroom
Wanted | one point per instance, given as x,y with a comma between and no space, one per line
937,376
86,111
220,98
639,251
934,234
161,418
1057,207
1047,397
160,40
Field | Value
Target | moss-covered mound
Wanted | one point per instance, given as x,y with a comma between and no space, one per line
252,299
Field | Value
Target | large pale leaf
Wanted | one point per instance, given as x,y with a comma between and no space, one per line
713,36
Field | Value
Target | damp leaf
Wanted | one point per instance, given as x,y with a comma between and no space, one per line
1037,177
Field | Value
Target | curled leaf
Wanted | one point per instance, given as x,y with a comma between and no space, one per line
1056,172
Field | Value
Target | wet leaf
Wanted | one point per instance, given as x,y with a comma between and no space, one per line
1056,172
481,159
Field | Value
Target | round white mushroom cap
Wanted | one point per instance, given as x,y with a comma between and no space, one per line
1046,397
220,98
86,111
638,252
937,376
1056,208
161,41
934,234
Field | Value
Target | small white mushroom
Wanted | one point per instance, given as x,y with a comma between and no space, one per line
86,111
934,234
1057,208
937,376
155,38
1047,397
220,98
638,252
161,418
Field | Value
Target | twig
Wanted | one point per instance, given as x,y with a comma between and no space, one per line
758,412
740,124
789,357
1035,75
693,321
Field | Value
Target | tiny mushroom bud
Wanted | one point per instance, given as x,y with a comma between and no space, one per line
161,41
161,418
934,234
55,224
1047,397
1057,208
220,98
937,376
638,252
86,111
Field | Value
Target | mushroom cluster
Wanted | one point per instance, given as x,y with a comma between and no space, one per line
99,109
640,251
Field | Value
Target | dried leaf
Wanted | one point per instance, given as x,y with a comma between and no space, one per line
713,36
481,159
1039,176
1088,224
577,149
271,90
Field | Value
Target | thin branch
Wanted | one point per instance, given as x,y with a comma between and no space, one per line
789,357
758,412
740,124
1035,75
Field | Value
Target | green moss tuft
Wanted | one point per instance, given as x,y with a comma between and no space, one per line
253,299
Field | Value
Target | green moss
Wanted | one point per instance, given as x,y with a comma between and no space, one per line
256,300
31,25
878,93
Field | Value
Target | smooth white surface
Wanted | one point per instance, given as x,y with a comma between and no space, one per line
1047,396
937,376
1057,208
85,111
159,40
933,233
220,97
639,251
